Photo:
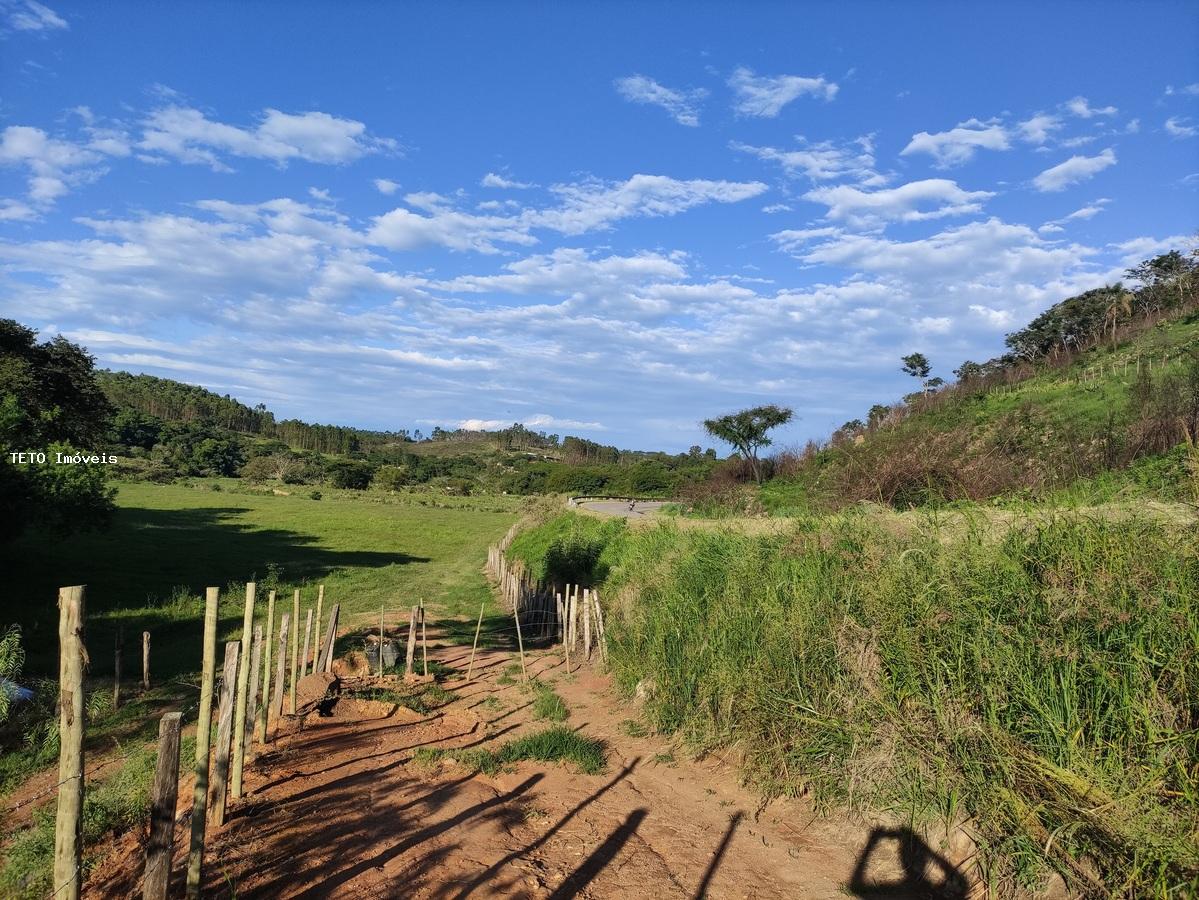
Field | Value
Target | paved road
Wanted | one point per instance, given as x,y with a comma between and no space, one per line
643,508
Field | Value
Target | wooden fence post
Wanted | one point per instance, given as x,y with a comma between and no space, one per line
68,823
330,639
304,652
561,613
520,643
601,637
116,667
241,702
195,858
280,672
424,643
161,845
411,650
295,649
265,714
252,698
566,644
316,638
474,646
587,624
145,660
224,734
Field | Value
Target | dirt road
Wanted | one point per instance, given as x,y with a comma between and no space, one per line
339,807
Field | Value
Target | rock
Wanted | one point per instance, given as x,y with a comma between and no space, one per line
314,692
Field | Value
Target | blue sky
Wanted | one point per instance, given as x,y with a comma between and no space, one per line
610,220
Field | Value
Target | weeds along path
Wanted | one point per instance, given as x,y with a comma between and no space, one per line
385,798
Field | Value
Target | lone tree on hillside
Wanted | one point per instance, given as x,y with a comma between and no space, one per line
746,431
918,366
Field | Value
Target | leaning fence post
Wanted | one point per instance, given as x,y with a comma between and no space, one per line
252,697
161,845
326,661
524,675
295,649
316,638
195,859
241,703
224,733
601,637
478,628
265,714
68,824
280,671
410,653
145,660
304,651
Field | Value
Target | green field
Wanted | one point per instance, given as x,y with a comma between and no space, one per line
149,567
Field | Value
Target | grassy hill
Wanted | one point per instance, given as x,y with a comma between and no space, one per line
1111,420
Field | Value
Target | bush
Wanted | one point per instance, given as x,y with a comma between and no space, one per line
314,495
391,478
350,475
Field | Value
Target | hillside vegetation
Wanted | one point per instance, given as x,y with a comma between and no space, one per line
1037,680
1097,397
164,430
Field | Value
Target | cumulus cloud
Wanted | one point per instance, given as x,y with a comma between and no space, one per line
1179,128
959,144
823,161
189,136
386,186
584,206
1073,170
1080,107
682,106
1039,128
52,166
1191,90
765,96
933,198
492,180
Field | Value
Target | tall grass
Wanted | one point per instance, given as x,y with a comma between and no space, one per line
1042,680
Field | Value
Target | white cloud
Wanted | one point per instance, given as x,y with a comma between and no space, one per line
765,96
683,106
585,206
539,421
959,144
492,180
1082,109
998,319
823,161
386,186
28,15
916,201
52,165
1177,127
1189,89
1073,170
592,205
188,135
1039,128
1092,209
